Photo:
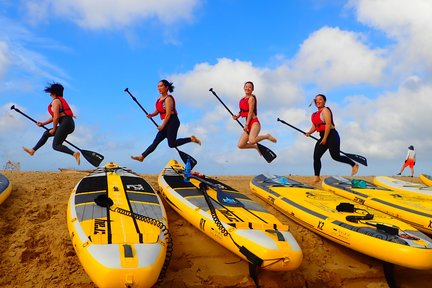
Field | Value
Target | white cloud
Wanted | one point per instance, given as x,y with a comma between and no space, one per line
331,57
19,58
227,78
4,58
107,14
408,23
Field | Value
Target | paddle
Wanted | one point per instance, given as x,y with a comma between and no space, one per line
92,157
182,154
360,159
268,154
254,261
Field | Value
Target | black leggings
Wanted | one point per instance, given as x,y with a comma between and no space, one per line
169,132
332,144
66,126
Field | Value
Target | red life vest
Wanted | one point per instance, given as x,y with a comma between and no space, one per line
318,121
244,106
64,108
160,107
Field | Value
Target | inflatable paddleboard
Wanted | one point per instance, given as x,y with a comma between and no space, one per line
231,219
118,227
5,188
415,209
350,224
402,186
426,179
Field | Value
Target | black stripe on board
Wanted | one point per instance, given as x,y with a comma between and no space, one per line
137,184
87,198
90,184
178,182
133,183
142,197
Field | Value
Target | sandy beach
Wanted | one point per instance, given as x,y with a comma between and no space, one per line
36,250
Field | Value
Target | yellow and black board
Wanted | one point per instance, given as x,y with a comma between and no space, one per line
5,188
237,222
426,179
402,186
362,229
415,209
118,227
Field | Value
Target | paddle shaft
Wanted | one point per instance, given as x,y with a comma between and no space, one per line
226,107
142,108
301,131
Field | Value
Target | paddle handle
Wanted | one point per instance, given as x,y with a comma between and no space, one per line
142,108
301,131
220,100
25,115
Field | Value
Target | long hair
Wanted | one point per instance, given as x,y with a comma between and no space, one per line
55,88
168,84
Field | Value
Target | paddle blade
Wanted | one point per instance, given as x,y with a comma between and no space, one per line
357,158
92,157
268,154
185,157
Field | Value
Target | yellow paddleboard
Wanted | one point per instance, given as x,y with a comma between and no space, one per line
402,186
426,179
118,227
231,219
415,209
5,188
355,226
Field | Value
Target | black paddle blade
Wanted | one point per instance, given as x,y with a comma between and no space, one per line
186,157
268,154
357,158
92,157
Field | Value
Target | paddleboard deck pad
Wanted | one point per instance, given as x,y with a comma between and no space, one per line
355,226
118,227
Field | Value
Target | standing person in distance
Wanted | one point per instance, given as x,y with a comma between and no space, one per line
322,122
248,109
166,108
409,160
63,123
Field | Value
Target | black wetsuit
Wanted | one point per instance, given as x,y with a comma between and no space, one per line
169,132
333,145
65,127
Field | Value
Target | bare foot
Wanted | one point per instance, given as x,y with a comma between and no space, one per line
316,180
354,169
139,158
29,151
77,156
195,140
271,138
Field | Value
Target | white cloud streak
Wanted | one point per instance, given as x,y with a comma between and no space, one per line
112,14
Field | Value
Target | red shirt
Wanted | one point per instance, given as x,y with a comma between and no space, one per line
244,106
160,107
64,108
318,120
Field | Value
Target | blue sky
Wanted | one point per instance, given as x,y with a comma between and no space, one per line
371,59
